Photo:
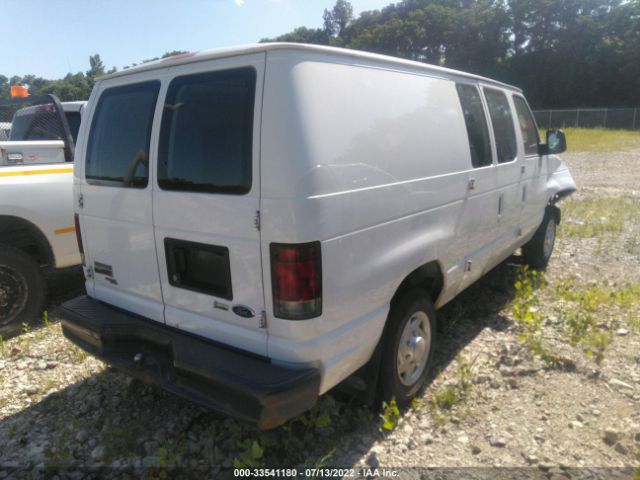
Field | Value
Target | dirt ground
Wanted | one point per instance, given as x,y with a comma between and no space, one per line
542,382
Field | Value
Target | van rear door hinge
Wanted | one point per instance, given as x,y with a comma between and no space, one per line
256,220
80,201
262,322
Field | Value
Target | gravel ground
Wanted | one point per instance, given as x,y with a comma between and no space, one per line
491,403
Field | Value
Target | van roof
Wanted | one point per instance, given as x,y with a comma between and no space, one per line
264,47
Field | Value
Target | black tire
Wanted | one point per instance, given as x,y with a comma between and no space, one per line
22,290
537,251
391,384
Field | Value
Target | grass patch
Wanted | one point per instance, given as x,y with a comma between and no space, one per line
599,217
587,315
600,139
447,397
77,354
586,311
527,313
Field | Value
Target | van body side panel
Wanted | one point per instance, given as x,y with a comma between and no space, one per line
368,161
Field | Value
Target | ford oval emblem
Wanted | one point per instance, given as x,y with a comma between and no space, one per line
243,311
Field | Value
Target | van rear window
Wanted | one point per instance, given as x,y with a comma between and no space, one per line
118,150
206,138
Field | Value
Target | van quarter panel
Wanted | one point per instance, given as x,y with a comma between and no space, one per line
374,169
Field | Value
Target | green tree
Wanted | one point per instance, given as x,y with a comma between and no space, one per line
336,19
96,69
5,91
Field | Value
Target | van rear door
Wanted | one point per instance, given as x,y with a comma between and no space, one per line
206,201
114,198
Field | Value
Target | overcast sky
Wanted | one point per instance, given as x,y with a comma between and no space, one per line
50,38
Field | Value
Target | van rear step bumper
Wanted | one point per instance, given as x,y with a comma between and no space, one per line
229,381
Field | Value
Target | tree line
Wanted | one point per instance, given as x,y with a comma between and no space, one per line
74,86
562,53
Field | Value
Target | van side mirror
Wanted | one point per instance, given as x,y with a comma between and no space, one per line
556,143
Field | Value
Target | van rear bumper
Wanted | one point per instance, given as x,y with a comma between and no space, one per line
226,380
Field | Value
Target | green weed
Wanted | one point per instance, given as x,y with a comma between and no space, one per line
444,399
251,455
527,313
390,415
585,313
59,454
77,354
323,461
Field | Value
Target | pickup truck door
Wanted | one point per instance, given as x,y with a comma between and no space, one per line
206,200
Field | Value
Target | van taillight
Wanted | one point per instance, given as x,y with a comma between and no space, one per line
296,280
76,218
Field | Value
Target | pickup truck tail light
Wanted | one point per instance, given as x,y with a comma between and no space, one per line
76,219
296,280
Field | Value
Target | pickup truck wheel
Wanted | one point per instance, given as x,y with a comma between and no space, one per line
538,250
408,347
22,289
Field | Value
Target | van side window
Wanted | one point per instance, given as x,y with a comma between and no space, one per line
206,138
530,135
118,150
476,123
503,130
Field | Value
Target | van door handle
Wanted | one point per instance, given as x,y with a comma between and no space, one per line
500,201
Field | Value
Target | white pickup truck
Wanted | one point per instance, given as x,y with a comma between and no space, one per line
37,230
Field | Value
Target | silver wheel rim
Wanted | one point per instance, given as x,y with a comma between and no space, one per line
549,238
414,347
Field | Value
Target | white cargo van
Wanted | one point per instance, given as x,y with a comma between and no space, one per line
261,222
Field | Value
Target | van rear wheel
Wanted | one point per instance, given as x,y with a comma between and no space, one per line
22,290
537,251
408,347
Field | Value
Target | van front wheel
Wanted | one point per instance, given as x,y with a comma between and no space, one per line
538,250
408,347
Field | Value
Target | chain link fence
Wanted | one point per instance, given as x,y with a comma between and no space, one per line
613,118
